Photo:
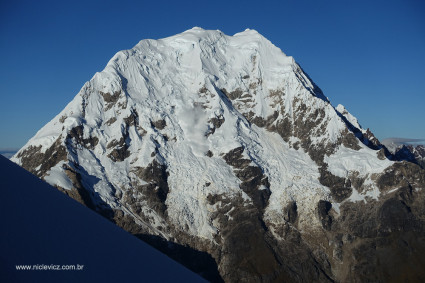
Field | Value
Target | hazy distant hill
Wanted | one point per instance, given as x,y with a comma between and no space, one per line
8,153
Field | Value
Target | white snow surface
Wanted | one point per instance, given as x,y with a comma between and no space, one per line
353,120
346,160
178,79
58,177
363,163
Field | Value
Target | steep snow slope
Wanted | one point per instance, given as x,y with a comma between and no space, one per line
182,136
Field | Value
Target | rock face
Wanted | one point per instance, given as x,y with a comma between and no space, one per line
222,153
412,153
406,149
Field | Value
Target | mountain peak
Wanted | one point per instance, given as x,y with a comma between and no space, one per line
204,139
248,31
197,29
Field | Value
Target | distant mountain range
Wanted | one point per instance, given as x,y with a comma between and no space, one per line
221,152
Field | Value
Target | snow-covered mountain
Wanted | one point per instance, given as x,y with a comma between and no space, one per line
220,151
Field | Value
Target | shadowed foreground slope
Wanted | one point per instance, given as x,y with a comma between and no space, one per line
43,226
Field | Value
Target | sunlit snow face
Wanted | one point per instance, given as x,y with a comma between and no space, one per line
194,123
186,80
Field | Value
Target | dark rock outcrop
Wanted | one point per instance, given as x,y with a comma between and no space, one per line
155,192
119,149
254,183
38,163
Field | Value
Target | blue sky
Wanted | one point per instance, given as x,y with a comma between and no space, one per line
367,55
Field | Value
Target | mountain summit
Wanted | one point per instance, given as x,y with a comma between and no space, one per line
221,152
